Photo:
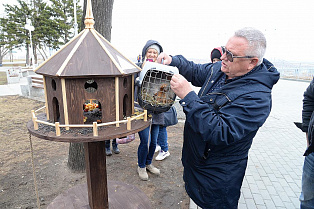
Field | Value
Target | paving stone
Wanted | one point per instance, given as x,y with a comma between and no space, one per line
295,187
271,190
265,194
290,205
254,187
284,197
242,206
270,204
247,193
250,203
290,192
258,199
278,187
266,181
295,201
277,201
241,200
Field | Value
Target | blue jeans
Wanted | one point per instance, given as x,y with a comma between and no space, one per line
162,139
114,143
145,153
307,194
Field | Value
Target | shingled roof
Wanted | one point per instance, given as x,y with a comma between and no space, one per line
87,54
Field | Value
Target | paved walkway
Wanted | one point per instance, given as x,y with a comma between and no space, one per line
11,89
273,176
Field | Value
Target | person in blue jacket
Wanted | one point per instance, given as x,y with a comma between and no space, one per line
222,119
157,131
307,193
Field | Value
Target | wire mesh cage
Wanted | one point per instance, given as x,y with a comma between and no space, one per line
155,93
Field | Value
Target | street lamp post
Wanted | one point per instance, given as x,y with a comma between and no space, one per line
28,26
75,21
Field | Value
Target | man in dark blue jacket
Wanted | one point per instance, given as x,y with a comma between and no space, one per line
307,194
222,120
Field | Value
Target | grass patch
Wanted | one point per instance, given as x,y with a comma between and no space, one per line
3,78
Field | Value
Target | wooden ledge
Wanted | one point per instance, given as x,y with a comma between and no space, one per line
76,135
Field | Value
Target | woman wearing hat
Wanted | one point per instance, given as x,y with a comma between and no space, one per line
149,136
216,54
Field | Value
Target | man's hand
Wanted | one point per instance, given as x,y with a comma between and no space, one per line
163,58
180,85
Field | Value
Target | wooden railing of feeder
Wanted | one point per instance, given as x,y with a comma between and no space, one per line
95,125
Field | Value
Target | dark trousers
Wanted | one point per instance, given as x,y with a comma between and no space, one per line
114,143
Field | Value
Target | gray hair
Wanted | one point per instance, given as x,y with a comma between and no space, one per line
256,41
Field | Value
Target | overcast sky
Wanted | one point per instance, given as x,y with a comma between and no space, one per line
194,28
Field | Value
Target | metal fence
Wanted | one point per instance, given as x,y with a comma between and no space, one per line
301,71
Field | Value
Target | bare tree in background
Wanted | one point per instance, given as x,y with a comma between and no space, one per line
102,11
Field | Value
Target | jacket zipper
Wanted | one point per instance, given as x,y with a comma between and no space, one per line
211,74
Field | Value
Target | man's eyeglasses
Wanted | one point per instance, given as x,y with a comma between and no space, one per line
230,56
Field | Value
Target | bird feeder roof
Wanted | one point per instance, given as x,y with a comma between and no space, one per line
88,54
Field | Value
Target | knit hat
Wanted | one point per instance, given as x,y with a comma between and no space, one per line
154,46
216,53
148,44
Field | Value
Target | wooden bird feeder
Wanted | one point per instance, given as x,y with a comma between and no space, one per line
88,83
88,68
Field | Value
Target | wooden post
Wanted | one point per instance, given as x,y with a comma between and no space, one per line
95,131
96,174
47,110
46,99
35,123
117,100
65,104
133,94
145,115
128,124
34,118
57,126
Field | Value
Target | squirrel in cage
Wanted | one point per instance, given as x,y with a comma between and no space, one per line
161,96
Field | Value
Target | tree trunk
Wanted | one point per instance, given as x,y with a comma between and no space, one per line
42,53
103,17
102,11
35,54
1,57
27,55
76,160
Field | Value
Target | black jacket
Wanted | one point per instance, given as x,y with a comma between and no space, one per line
308,116
219,129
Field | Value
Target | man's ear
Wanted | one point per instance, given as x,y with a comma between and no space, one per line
253,63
